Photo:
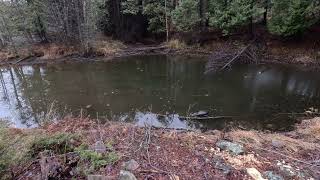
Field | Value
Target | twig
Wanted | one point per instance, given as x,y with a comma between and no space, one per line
236,57
289,157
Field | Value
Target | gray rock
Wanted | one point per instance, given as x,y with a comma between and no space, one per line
272,176
100,147
126,175
219,163
233,148
131,165
254,174
199,114
226,169
98,177
287,170
277,143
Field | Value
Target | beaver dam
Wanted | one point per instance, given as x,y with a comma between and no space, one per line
161,90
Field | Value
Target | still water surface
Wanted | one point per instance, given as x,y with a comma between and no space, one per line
131,88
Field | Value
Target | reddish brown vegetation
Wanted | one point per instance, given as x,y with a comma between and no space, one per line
167,154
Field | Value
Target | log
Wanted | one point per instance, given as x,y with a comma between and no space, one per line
200,118
22,59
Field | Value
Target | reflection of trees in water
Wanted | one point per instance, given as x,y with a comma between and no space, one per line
3,85
168,84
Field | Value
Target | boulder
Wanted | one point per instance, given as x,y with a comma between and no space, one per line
277,143
126,175
233,148
131,165
254,174
286,169
270,175
100,147
226,169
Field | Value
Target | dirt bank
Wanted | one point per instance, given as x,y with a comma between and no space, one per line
299,54
76,148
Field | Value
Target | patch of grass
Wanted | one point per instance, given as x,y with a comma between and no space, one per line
15,147
58,143
96,160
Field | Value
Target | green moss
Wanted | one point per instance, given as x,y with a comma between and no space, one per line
58,143
14,148
18,147
97,160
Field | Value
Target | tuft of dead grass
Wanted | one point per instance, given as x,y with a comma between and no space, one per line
53,51
106,47
176,44
304,138
310,129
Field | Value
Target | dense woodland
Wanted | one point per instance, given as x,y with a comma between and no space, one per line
78,21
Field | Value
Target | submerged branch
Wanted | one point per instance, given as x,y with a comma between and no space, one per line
200,118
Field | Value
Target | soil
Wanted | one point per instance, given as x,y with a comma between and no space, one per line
172,154
302,54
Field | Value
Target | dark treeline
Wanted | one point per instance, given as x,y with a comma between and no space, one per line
77,21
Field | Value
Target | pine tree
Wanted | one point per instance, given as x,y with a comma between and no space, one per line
228,14
291,17
186,15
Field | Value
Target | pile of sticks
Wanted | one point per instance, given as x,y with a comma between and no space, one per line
220,61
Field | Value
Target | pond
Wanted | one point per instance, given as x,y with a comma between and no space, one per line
136,89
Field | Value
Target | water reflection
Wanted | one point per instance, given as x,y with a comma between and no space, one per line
127,89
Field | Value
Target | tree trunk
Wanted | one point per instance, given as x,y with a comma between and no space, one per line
265,14
203,10
167,25
251,23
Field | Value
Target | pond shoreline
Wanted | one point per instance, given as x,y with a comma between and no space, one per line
300,59
161,153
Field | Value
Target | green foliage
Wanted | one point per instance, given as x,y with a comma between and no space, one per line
290,17
155,11
14,148
59,143
96,160
226,15
186,16
130,7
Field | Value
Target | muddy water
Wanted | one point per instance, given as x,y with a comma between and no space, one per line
135,88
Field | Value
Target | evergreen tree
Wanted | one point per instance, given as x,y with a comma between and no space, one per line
291,17
228,14
186,15
155,11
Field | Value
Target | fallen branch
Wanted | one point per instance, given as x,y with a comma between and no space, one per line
237,56
199,118
22,59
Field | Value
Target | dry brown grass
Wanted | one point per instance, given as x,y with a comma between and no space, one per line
53,51
5,55
176,44
310,129
106,47
189,154
304,138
